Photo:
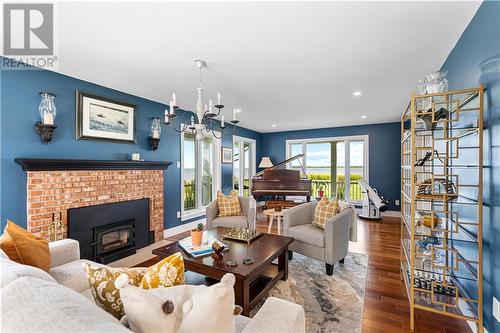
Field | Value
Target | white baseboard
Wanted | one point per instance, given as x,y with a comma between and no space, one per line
182,228
392,213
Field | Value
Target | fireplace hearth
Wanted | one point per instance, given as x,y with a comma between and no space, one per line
111,231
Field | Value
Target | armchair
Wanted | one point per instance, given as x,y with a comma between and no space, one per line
247,220
329,245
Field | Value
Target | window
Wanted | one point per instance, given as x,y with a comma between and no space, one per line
343,159
243,164
200,173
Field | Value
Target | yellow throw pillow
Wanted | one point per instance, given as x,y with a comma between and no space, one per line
168,272
25,248
325,209
102,283
228,205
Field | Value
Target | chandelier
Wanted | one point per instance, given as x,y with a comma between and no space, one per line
202,122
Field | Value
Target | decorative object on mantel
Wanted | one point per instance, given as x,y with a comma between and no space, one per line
56,231
40,164
227,155
48,111
101,118
135,157
154,138
203,120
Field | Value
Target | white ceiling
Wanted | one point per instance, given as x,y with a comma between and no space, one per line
293,64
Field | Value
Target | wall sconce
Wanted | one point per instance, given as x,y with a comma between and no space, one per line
154,139
48,111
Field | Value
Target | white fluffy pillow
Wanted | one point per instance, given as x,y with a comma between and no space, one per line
179,309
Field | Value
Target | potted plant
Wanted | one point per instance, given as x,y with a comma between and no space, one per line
197,235
321,192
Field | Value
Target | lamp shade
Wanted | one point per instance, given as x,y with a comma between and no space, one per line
265,162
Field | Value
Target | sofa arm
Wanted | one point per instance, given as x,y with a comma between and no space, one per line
277,316
64,251
301,214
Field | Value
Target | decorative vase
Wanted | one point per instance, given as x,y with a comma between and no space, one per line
436,82
196,237
321,194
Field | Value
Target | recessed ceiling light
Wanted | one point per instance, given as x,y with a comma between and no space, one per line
356,93
363,117
273,125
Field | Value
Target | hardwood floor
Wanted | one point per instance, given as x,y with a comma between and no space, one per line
386,306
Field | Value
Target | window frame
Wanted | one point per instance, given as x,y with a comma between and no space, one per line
253,160
346,140
200,209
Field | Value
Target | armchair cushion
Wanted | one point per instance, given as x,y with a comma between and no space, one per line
228,205
230,222
308,233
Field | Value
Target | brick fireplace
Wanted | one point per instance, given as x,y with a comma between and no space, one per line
53,189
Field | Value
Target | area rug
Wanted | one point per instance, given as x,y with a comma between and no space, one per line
331,303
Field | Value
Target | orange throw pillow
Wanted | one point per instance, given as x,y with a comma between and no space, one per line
25,248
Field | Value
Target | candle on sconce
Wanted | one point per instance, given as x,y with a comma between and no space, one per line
166,116
171,107
210,105
219,99
192,121
222,122
174,99
234,114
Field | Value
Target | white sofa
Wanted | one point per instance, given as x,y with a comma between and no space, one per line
60,301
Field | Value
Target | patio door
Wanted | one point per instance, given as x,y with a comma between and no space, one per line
243,164
334,165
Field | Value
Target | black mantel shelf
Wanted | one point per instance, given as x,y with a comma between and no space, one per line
43,164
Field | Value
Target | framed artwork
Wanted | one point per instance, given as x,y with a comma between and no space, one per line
101,118
227,155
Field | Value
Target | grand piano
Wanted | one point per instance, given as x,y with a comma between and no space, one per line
280,182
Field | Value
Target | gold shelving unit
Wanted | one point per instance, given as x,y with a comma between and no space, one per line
441,204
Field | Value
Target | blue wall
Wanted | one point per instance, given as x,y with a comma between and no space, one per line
384,152
475,59
19,112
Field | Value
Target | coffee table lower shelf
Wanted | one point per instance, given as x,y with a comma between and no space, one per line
262,285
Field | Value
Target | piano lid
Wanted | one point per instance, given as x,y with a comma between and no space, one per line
284,163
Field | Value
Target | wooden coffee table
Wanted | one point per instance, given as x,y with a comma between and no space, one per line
253,282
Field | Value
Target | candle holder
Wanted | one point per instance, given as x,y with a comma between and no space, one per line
154,143
45,131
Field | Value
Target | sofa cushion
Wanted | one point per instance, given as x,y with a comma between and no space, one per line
25,248
308,233
72,274
11,270
33,305
230,221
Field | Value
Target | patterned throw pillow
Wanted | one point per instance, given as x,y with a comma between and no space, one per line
168,272
228,205
102,283
325,209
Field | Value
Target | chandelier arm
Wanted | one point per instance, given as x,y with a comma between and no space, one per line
182,128
215,135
